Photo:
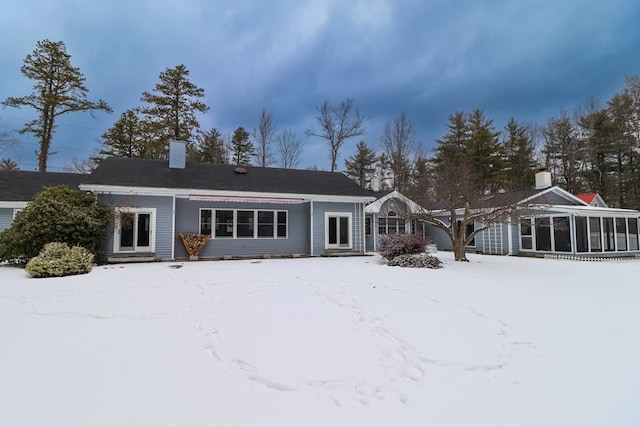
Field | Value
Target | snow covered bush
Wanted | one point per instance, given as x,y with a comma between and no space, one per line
59,259
422,260
393,245
56,214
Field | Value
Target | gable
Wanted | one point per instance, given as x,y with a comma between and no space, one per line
554,198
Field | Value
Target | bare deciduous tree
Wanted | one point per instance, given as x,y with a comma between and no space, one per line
289,149
459,204
264,137
398,141
337,124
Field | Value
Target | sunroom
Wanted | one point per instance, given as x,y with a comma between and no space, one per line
602,232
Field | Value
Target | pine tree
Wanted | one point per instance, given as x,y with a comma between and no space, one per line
59,89
211,148
485,152
520,162
361,166
173,106
452,148
564,153
124,138
241,147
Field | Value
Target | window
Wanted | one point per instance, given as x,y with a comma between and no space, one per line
282,224
224,223
244,224
621,234
134,230
470,228
633,234
526,234
561,234
205,221
367,226
543,234
609,237
265,223
391,224
582,241
595,236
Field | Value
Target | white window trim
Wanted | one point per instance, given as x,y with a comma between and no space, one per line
152,225
327,215
255,223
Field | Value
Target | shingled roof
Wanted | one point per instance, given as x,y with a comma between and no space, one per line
204,176
21,186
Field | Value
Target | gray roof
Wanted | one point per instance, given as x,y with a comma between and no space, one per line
21,186
205,176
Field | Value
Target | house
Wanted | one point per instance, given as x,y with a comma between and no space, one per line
592,199
390,213
247,211
553,221
18,187
550,221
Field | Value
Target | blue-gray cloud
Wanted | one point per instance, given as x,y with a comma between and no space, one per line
526,59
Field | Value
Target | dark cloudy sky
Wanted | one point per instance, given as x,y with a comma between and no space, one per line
521,58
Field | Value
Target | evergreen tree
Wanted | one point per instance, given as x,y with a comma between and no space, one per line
211,148
173,106
59,89
564,153
361,166
124,138
6,164
485,152
451,150
241,147
519,172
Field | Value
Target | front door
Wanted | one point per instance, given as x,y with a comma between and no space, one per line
338,232
135,232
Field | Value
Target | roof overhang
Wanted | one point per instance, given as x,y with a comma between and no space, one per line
14,205
189,193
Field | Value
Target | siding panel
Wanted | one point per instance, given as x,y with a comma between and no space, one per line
297,241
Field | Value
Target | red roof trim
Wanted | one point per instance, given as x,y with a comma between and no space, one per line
588,197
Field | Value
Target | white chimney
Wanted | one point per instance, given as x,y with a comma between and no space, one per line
177,154
543,179
375,183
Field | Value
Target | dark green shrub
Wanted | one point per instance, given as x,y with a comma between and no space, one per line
57,214
422,260
392,245
59,259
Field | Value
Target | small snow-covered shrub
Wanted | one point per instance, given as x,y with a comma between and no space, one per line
416,261
392,245
59,259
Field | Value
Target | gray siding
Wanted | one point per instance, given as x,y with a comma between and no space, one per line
164,220
495,240
357,226
6,217
438,237
297,241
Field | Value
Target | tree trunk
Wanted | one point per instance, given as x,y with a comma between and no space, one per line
459,251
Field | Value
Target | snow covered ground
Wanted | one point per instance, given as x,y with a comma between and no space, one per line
323,342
